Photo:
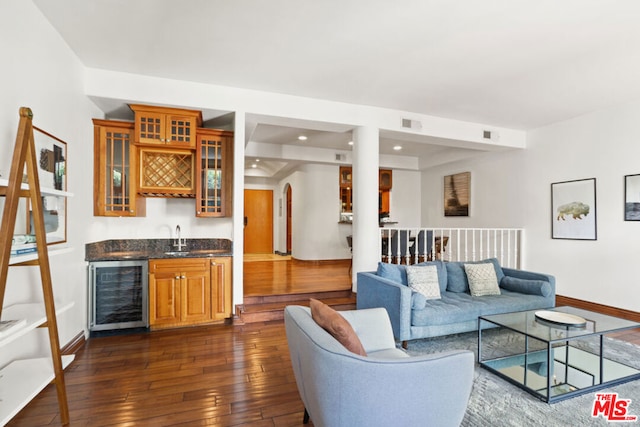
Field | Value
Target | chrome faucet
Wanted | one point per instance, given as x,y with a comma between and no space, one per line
178,241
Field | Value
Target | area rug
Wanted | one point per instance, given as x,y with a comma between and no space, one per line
496,402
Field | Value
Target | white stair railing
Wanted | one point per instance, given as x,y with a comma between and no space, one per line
418,244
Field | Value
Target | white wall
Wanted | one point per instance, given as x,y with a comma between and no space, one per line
512,189
41,72
315,232
405,208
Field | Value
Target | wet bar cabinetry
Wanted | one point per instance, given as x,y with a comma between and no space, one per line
215,172
189,291
164,126
115,172
162,153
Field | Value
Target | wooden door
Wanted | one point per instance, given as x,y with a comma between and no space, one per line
221,288
288,216
196,297
258,221
164,298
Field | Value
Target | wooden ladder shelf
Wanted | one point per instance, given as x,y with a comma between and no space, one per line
24,154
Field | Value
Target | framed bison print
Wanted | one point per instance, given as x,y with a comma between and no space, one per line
573,209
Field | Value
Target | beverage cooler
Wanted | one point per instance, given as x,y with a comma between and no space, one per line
118,295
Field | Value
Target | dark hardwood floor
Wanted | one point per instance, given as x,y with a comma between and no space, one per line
224,375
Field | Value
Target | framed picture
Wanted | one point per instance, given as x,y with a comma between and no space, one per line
632,197
457,193
51,156
51,153
573,209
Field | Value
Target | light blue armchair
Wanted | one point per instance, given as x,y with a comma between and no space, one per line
388,387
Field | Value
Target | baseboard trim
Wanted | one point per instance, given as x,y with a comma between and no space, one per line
600,308
74,345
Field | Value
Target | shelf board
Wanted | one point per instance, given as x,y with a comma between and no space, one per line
35,315
52,250
22,380
45,191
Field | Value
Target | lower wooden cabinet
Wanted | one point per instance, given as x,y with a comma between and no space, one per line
189,291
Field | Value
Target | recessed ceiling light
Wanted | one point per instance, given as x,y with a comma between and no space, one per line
302,138
257,160
397,147
350,142
254,166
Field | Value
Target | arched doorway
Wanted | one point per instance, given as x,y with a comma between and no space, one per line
288,215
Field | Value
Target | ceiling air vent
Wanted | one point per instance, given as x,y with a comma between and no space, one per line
411,124
487,134
340,157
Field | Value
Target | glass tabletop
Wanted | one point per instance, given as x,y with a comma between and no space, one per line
527,323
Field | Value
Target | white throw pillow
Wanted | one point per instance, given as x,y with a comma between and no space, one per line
482,279
424,279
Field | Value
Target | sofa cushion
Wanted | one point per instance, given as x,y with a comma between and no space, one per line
395,272
332,322
424,279
482,279
526,286
457,279
457,307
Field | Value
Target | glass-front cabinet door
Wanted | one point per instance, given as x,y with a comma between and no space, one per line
115,171
214,173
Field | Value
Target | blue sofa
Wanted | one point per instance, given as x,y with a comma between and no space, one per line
414,317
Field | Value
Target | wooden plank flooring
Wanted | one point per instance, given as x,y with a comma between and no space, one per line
220,375
290,277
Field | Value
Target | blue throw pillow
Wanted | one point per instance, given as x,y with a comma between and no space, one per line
526,286
418,301
457,278
395,272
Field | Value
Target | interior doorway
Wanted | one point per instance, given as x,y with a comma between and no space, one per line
258,221
288,217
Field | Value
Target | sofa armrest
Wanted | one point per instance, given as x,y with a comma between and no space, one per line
375,291
530,275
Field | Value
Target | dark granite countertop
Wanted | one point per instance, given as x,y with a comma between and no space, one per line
115,250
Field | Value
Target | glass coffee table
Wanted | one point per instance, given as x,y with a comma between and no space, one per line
557,354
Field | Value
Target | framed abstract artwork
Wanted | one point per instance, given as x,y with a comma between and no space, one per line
457,194
573,210
632,197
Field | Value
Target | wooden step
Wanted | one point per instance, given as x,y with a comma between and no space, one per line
271,307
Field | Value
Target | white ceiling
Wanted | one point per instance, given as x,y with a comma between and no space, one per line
519,64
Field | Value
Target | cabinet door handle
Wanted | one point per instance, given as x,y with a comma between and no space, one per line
177,277
183,277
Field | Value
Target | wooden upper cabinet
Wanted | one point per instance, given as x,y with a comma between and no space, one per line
214,173
115,170
173,127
